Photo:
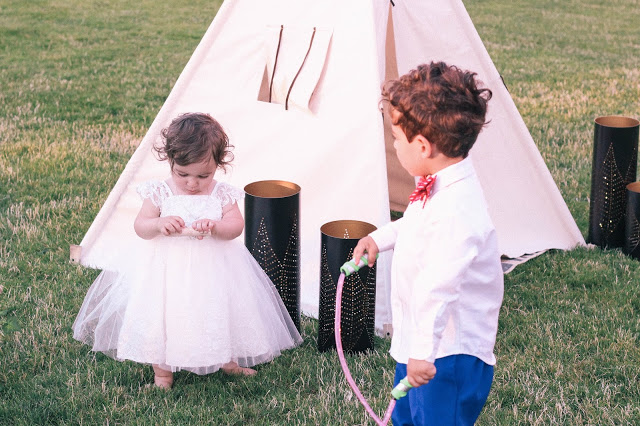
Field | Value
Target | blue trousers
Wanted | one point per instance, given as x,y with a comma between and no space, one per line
455,396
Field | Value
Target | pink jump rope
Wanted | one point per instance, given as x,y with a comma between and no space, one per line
401,389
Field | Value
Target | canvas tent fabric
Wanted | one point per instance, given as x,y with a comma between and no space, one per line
334,145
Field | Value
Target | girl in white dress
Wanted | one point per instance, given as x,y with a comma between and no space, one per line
189,296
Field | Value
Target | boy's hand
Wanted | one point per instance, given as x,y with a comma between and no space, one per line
170,225
420,372
366,245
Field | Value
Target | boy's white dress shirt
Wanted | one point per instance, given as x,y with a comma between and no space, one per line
446,275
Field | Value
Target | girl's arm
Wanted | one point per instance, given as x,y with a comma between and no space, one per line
149,224
227,228
231,224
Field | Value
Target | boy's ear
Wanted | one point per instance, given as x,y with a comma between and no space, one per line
426,147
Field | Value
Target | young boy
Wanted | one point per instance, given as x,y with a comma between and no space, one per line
446,277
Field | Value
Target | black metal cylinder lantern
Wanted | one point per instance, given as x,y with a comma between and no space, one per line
632,221
272,235
615,156
357,322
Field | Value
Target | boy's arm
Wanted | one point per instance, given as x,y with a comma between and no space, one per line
366,245
379,240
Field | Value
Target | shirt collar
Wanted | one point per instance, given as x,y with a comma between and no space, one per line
453,173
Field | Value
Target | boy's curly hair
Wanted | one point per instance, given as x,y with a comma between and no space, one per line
441,103
193,138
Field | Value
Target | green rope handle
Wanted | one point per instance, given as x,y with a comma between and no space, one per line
401,389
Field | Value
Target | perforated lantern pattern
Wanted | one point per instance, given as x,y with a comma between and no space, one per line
634,235
358,306
615,154
610,194
283,273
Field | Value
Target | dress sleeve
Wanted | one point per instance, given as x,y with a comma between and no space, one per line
156,191
228,194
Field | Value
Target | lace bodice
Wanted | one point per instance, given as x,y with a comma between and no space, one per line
190,207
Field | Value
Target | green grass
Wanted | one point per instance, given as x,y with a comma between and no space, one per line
81,81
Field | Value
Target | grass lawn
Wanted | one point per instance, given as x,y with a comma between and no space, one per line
81,81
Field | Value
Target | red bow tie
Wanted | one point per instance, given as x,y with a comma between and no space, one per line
423,189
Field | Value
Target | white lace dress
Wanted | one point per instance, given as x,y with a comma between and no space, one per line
184,303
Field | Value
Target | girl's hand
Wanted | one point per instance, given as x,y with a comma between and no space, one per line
169,225
204,226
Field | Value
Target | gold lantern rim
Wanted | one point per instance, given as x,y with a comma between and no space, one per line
617,121
347,229
272,189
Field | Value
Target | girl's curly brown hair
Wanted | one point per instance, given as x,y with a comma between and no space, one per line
441,103
193,138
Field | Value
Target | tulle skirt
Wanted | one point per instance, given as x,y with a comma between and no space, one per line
186,304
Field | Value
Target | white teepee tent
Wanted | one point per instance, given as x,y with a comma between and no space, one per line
331,139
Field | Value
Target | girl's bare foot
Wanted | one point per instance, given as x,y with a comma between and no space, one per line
234,369
163,378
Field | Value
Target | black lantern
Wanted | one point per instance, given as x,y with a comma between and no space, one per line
615,156
357,322
272,235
